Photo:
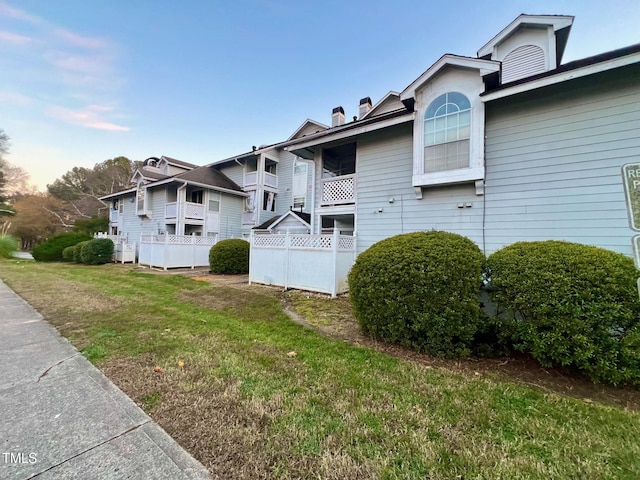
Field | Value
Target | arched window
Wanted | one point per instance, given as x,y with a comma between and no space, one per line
447,125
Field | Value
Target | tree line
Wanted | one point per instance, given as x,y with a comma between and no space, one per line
71,202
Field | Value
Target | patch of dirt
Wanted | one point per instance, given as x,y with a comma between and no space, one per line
334,318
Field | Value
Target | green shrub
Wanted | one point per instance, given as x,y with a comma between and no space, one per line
8,245
97,252
77,253
51,250
571,304
68,253
420,290
230,256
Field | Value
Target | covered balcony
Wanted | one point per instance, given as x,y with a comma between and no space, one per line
338,175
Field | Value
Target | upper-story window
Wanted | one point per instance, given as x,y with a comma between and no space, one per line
447,127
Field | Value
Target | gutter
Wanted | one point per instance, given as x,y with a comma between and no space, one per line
180,204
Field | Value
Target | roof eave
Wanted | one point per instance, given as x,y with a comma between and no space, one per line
484,67
563,76
118,194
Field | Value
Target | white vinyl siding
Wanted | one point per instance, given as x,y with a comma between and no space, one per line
231,208
234,171
284,199
384,166
523,62
553,162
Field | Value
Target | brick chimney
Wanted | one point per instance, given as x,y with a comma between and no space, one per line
337,117
365,106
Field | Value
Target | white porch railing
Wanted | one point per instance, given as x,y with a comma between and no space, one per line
194,211
270,180
318,263
175,251
250,178
339,190
171,210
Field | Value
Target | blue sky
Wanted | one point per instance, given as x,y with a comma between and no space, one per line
83,81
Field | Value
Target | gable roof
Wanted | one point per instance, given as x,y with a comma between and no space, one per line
387,101
315,126
303,217
484,67
180,163
147,174
558,22
208,176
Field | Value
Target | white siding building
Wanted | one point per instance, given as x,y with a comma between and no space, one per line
510,145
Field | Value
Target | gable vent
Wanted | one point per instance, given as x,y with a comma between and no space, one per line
523,62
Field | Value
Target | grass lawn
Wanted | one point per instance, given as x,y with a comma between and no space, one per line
253,394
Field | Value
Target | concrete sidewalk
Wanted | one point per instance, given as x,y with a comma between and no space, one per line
60,418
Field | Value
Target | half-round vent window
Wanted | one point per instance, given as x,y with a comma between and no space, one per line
523,62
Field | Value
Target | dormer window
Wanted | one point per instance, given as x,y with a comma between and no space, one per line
447,127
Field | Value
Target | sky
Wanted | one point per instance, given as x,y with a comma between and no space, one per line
202,80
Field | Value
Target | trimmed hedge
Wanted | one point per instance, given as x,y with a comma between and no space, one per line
68,253
570,304
230,256
420,290
78,252
97,252
51,250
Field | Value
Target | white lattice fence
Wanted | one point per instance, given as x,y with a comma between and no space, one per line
309,262
269,241
346,243
338,190
311,241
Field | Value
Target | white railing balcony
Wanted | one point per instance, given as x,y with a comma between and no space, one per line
339,190
188,210
171,210
194,210
113,215
250,178
248,218
270,180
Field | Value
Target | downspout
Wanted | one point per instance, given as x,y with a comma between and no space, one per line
313,192
179,207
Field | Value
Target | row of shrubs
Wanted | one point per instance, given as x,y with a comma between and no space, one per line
92,252
75,247
565,304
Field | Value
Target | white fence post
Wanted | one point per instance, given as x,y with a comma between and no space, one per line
251,254
334,260
193,251
287,257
